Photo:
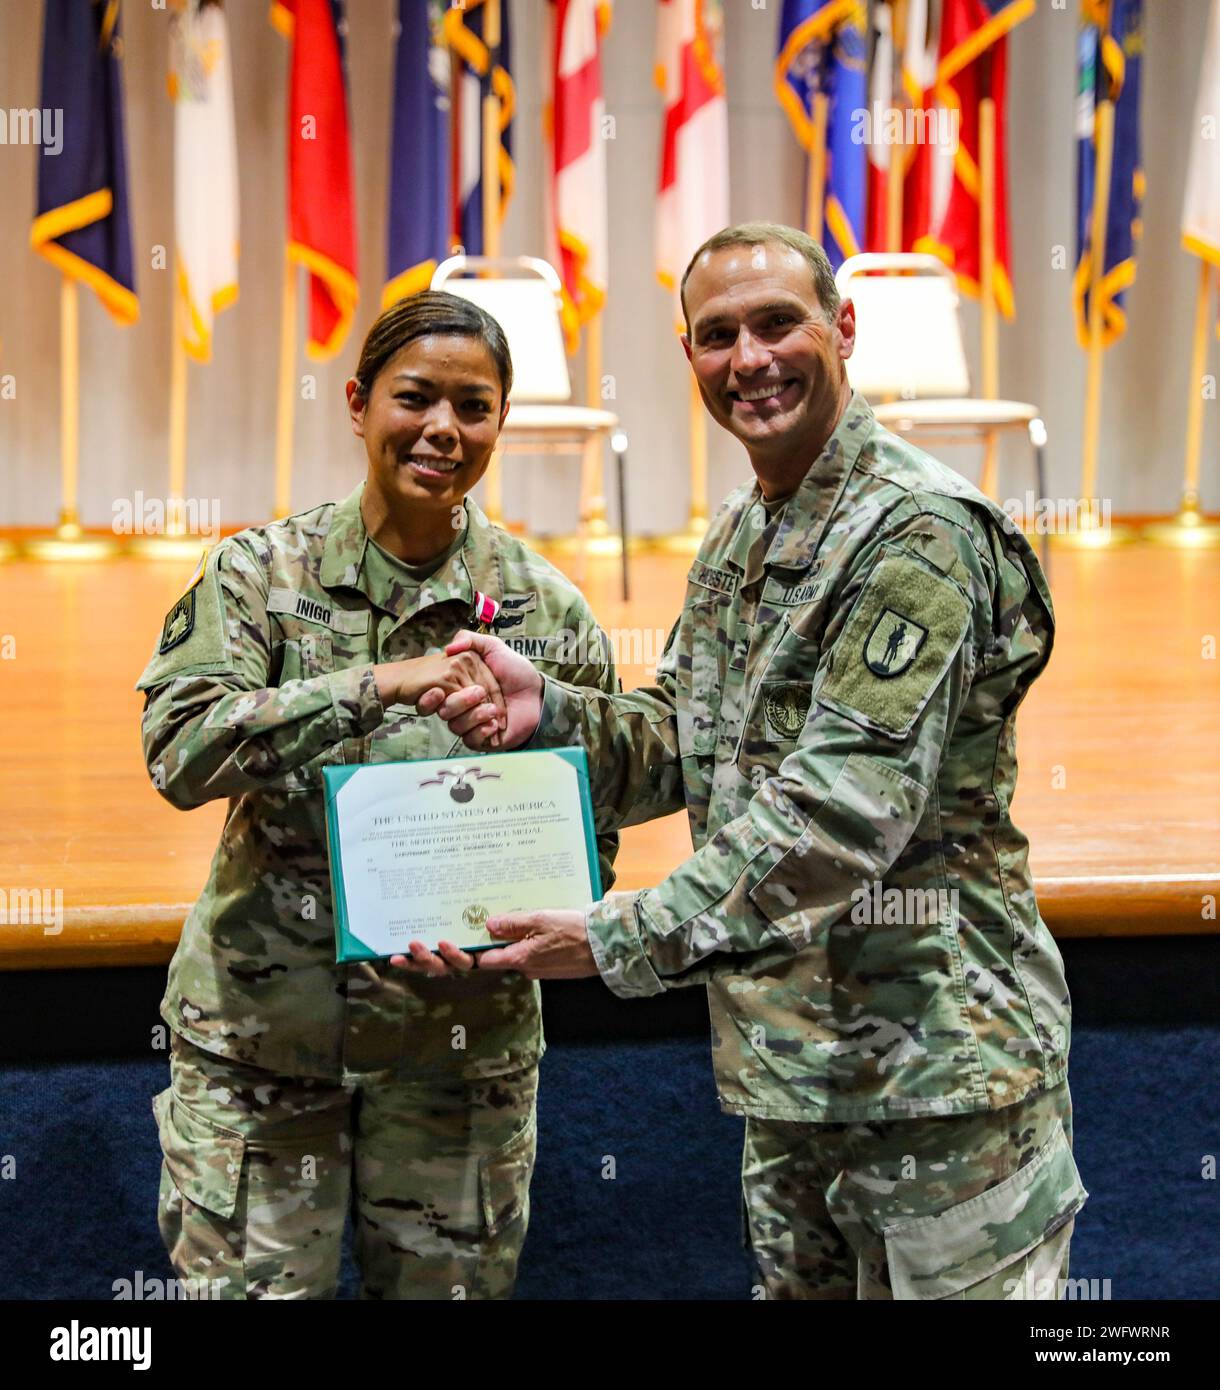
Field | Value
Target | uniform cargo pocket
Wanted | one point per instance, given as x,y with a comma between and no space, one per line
203,1159
504,1178
939,1256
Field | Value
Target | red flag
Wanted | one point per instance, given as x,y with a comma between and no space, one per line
972,63
321,208
693,194
918,73
578,232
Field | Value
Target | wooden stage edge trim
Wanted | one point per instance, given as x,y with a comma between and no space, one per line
1104,906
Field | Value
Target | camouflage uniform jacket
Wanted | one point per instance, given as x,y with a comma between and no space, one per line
835,709
271,680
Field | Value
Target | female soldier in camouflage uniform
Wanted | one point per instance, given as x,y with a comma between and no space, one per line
300,1087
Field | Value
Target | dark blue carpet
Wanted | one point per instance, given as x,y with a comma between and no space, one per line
79,1212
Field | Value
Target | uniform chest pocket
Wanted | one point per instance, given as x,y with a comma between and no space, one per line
781,698
702,663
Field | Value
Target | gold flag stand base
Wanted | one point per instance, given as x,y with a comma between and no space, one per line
607,544
1094,537
1189,530
571,542
685,542
184,547
69,543
595,538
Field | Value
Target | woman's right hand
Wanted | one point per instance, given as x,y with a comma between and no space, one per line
404,682
520,681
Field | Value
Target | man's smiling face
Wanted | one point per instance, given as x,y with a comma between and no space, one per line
769,363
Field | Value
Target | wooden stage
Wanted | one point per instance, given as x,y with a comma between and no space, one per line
1119,747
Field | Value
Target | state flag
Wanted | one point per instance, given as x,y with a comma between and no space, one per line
83,219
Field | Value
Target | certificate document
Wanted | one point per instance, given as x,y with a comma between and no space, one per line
429,850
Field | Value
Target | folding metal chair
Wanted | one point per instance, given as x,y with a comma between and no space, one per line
909,345
523,294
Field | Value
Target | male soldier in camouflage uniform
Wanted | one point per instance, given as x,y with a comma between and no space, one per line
835,709
290,1074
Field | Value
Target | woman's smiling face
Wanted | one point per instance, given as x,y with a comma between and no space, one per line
430,421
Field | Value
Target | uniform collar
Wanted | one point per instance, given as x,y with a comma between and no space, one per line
350,561
343,553
810,506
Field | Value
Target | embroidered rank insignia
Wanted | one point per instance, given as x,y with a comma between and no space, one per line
892,644
786,705
179,623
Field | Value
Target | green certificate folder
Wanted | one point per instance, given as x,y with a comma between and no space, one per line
428,850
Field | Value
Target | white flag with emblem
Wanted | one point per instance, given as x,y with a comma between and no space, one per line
205,170
1201,210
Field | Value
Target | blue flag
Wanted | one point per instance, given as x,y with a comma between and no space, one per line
1109,59
420,198
822,51
482,71
83,222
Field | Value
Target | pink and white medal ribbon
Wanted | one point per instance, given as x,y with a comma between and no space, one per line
485,611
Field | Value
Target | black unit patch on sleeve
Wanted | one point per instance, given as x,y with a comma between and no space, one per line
179,623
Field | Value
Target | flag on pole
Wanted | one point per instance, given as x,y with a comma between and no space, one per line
205,170
917,77
693,192
578,217
1201,207
481,71
822,51
420,233
1109,59
321,210
972,64
83,221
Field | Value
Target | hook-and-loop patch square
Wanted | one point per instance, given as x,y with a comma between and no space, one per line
899,638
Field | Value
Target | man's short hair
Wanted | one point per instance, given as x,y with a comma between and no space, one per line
761,233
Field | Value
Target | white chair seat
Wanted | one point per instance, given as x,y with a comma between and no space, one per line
557,419
955,414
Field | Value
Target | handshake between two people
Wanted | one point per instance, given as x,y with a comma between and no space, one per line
491,697
488,694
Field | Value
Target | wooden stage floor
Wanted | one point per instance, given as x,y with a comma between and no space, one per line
1119,748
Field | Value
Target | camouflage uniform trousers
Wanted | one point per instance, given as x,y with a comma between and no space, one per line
259,1172
912,1209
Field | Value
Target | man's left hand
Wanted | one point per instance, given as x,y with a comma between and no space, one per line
548,945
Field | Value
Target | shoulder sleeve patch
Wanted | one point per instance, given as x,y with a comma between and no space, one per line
897,643
194,636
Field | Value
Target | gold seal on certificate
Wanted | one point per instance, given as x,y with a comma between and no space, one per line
430,850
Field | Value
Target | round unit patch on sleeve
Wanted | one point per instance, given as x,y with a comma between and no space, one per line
897,643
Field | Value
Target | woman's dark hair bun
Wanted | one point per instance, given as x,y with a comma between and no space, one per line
432,312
